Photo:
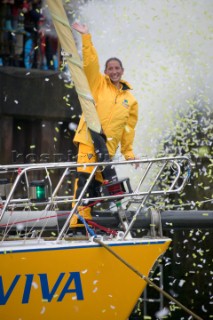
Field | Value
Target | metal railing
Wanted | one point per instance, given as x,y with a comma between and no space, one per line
155,177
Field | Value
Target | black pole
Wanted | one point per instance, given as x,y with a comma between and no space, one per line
170,219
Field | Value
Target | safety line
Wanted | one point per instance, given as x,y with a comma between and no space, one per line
151,283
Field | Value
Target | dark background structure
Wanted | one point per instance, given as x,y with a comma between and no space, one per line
36,110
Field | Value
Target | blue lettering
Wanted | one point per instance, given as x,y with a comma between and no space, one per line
78,287
5,297
73,280
48,295
27,288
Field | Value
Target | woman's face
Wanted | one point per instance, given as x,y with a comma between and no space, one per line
114,71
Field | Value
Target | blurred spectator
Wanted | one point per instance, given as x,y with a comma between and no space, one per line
23,41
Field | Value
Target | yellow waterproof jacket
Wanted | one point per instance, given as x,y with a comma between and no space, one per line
117,109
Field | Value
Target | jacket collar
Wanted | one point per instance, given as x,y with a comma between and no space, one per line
125,84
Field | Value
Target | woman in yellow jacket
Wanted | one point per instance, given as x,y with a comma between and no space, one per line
117,110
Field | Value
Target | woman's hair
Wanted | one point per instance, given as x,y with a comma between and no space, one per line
111,59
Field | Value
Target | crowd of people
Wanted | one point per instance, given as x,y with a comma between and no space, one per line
23,40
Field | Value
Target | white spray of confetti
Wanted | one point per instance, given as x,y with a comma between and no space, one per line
35,285
162,313
181,282
84,271
165,47
72,126
20,226
43,310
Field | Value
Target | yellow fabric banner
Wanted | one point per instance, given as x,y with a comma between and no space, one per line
74,62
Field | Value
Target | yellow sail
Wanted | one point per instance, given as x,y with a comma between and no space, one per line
74,62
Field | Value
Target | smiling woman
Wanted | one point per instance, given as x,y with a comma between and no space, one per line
117,110
114,69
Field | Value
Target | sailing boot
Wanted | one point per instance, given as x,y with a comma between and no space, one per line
84,212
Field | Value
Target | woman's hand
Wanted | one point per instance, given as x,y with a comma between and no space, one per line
137,164
81,28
